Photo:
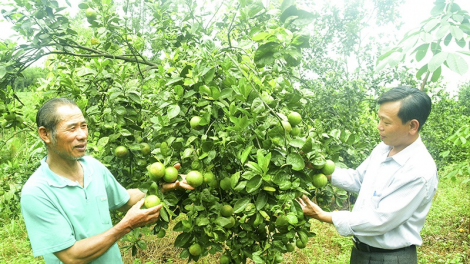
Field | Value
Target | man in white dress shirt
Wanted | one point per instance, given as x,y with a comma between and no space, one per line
396,184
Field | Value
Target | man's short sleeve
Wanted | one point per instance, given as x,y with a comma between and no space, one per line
117,195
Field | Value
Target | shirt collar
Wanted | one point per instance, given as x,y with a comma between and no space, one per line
58,181
405,154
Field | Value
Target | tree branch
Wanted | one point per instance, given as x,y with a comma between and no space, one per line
104,55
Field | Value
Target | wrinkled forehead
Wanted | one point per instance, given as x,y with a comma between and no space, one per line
69,115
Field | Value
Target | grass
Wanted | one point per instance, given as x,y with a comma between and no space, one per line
446,238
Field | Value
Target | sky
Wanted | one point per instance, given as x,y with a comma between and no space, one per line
413,12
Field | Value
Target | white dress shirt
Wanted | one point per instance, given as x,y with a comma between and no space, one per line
395,194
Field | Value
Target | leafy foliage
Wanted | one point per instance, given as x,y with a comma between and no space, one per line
448,24
141,70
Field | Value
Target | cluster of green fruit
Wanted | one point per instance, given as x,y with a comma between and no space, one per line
293,119
319,173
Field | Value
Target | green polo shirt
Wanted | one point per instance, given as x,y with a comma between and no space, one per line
58,212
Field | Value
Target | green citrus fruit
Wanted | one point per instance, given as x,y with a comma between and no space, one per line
145,149
95,41
319,180
224,259
121,152
194,178
290,247
226,211
195,249
171,174
295,131
300,244
156,171
161,233
194,122
329,167
151,201
141,163
209,179
267,98
232,222
225,184
287,126
278,259
153,189
90,13
294,118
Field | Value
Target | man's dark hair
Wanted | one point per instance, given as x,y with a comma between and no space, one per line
415,104
47,115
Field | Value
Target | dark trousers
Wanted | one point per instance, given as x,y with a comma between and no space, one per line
403,256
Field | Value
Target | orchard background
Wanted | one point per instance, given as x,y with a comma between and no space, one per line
141,70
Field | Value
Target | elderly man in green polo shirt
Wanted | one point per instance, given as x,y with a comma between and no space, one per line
66,202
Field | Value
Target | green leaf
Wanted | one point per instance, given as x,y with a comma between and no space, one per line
85,71
307,147
255,167
456,63
263,161
447,39
335,133
260,36
286,4
261,200
245,154
202,221
254,184
209,76
443,30
222,221
234,179
134,96
83,5
456,32
297,143
296,161
461,43
173,111
182,240
164,214
3,71
293,56
437,60
292,219
431,25
421,51
438,8
257,257
264,55
241,204
436,74
102,142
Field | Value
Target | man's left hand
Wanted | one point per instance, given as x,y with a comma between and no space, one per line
183,184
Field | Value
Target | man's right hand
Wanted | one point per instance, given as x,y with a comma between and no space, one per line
88,249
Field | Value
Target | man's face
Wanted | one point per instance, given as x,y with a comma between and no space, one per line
70,139
391,129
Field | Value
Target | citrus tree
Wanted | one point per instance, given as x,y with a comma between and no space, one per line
211,95
218,92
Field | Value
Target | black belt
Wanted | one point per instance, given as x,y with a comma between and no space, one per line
366,248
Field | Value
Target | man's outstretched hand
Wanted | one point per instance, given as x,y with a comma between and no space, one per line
312,210
183,184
